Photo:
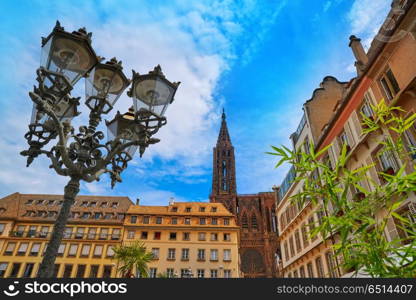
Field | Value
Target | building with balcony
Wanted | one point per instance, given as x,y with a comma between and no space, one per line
187,239
386,71
95,226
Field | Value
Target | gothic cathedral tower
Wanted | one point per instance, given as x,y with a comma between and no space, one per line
255,213
223,177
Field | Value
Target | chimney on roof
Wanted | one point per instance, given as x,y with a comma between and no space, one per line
359,53
171,201
137,201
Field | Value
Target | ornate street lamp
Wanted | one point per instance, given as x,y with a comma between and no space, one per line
66,57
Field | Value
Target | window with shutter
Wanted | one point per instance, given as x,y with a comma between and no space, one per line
22,249
372,171
98,251
110,250
356,123
291,247
351,137
61,249
391,230
35,249
297,241
286,251
86,250
410,137
319,267
309,266
10,248
305,235
73,248
3,268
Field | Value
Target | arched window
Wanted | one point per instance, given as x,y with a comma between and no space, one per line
244,221
253,221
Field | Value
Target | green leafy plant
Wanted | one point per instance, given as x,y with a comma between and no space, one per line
132,257
356,225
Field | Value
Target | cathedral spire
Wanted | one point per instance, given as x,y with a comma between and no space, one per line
224,137
223,171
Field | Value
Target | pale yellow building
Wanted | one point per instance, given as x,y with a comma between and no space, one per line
187,239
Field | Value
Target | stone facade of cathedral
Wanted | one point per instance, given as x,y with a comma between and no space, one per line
255,212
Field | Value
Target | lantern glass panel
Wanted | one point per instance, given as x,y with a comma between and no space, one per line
67,56
153,94
105,83
124,128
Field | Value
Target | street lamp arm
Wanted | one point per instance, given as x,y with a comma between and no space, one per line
55,164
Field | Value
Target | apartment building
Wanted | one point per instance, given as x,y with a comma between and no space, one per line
386,71
300,255
94,228
187,239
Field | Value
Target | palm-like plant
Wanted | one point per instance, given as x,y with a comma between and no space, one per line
132,256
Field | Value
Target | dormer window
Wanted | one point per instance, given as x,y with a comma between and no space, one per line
174,209
92,204
104,204
187,209
39,202
86,215
42,213
51,202
84,204
114,205
213,209
202,209
52,214
98,215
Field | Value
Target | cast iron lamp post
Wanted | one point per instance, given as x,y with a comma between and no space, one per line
66,57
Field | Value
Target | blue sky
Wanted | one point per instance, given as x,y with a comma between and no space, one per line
260,60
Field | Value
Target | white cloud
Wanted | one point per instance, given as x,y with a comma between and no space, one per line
366,17
194,42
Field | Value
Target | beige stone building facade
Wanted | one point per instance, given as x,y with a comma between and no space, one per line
94,228
187,239
386,71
